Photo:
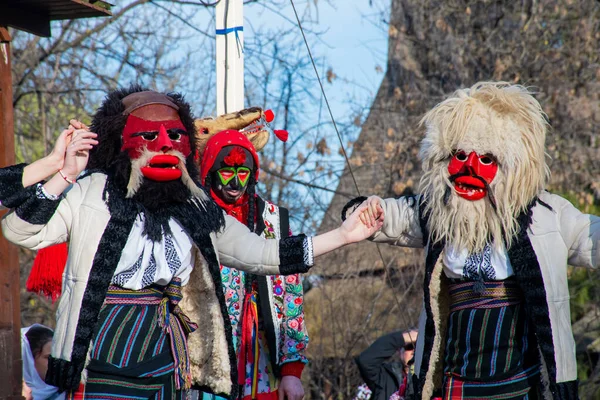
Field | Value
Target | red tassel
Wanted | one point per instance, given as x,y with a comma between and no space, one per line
46,273
281,134
269,116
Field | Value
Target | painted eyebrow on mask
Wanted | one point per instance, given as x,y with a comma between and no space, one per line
174,130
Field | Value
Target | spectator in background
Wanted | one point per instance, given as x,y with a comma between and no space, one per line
388,379
36,343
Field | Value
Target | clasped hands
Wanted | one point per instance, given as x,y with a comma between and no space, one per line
72,149
365,221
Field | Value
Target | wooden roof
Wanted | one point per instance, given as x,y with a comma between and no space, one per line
34,16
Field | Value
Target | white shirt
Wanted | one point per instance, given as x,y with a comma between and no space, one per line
144,262
493,264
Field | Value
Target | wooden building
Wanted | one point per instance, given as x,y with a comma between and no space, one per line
33,16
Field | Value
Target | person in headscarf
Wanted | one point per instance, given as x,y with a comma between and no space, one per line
36,343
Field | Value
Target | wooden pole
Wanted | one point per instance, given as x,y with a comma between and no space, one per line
230,56
10,305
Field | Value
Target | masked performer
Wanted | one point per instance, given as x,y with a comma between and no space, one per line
139,229
496,320
266,313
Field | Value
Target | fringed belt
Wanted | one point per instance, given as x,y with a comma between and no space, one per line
494,294
167,299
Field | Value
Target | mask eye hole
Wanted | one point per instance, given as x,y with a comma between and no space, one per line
461,156
174,136
226,175
150,136
486,159
243,174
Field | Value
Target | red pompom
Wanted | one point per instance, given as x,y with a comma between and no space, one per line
269,116
46,273
236,156
281,134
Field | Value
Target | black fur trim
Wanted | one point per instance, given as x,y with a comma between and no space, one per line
12,192
352,205
529,277
565,390
260,209
61,374
204,244
433,254
548,206
37,211
291,255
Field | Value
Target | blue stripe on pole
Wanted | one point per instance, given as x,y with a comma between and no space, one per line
229,30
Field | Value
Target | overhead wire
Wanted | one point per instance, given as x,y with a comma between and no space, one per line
385,265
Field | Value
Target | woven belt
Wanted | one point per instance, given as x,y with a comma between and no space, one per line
494,294
167,299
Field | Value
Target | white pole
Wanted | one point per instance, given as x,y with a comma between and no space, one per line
230,56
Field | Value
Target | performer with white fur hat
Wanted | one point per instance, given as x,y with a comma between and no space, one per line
495,322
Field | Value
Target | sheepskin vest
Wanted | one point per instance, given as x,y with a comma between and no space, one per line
436,303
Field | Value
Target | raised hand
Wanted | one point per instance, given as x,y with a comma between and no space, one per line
77,151
60,147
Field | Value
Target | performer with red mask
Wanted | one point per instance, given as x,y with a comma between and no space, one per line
495,322
142,231
266,313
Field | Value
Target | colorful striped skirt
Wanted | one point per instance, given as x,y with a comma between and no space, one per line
139,349
491,351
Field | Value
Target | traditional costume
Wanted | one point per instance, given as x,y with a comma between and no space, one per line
266,312
496,319
141,230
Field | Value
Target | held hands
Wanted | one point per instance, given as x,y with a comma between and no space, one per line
364,221
75,142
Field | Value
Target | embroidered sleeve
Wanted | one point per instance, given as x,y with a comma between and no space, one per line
12,192
293,329
295,254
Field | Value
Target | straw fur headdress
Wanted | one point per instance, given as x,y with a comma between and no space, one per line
252,122
495,118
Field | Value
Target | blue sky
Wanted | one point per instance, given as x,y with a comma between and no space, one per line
353,43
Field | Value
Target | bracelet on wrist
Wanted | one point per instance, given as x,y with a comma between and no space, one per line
66,178
42,194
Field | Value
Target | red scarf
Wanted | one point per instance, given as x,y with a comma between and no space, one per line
238,210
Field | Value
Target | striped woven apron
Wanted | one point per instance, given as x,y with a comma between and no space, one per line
490,348
140,346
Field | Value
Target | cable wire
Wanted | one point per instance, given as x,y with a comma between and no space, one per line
398,303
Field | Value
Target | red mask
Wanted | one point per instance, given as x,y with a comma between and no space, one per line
473,169
159,137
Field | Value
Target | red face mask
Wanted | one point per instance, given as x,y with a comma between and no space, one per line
160,137
157,136
473,169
